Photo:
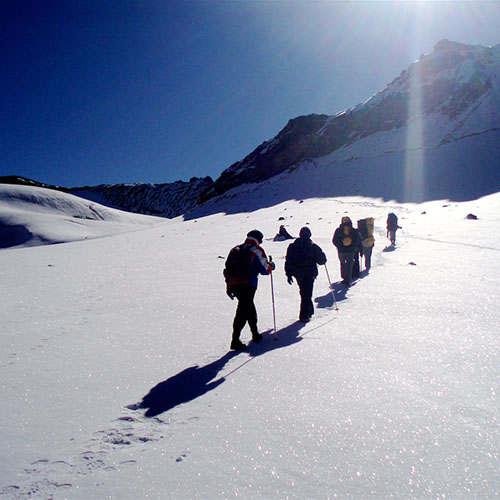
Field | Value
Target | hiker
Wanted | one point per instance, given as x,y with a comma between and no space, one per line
302,260
347,241
392,227
283,234
243,265
365,230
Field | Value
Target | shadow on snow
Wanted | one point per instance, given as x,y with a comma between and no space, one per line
196,381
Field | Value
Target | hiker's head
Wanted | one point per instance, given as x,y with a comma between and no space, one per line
346,221
256,235
305,233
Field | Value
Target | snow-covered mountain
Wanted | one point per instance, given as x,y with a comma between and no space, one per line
164,200
445,97
432,133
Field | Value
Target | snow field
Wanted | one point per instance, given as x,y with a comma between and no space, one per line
395,395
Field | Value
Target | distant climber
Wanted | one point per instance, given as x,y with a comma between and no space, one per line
283,235
302,260
392,227
243,265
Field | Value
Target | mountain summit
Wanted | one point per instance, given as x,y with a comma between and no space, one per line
445,96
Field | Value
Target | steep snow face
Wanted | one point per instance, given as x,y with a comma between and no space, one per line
164,200
445,96
33,216
456,85
451,62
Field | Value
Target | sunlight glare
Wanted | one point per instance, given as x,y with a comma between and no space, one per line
414,161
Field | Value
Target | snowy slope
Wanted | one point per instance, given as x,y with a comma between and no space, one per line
33,216
393,396
461,170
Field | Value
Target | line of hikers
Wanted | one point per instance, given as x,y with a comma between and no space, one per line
246,261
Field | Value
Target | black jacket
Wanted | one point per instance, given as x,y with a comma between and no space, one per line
347,243
302,259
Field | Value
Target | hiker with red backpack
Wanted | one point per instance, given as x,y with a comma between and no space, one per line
347,241
243,265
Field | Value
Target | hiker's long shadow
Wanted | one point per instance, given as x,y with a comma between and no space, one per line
325,301
195,381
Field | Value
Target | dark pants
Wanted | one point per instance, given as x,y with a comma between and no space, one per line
245,311
346,261
367,252
355,266
306,291
392,236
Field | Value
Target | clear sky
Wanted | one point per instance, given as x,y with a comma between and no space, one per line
117,91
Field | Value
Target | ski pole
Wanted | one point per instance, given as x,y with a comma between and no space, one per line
272,297
333,294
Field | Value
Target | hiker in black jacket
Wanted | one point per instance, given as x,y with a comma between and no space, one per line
302,260
347,241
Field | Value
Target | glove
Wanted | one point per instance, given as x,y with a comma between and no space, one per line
230,293
290,280
272,265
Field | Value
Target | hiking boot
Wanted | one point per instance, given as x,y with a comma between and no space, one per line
256,337
238,345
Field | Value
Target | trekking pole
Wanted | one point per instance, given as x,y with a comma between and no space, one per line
331,289
272,297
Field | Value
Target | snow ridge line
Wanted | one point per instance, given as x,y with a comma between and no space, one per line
482,247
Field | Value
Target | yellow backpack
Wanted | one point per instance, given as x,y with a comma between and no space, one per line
347,241
365,227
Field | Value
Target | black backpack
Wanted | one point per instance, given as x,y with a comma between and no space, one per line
238,263
392,221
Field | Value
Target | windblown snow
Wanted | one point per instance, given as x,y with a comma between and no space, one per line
394,395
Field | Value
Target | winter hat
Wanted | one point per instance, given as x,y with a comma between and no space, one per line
257,235
346,220
305,233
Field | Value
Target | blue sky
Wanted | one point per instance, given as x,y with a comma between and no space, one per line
156,91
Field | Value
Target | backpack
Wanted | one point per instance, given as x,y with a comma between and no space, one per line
392,221
347,240
238,264
365,228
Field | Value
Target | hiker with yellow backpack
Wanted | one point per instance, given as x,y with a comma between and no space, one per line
347,241
365,229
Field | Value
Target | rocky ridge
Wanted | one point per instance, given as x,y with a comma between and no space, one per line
444,96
